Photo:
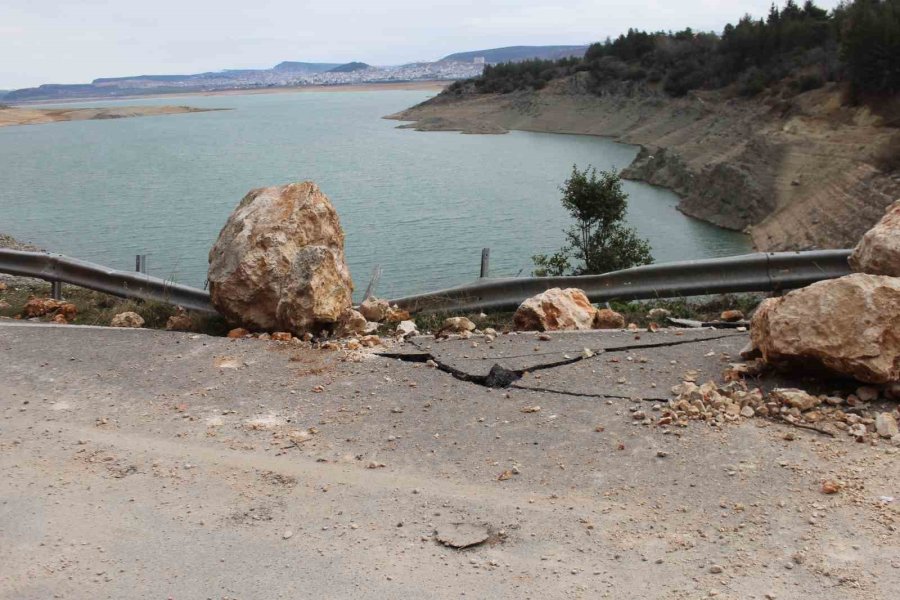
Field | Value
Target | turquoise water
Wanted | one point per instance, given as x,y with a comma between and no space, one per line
422,205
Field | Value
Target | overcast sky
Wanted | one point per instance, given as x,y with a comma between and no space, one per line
74,41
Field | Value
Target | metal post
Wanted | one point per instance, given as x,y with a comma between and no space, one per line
137,263
56,290
144,264
373,283
485,261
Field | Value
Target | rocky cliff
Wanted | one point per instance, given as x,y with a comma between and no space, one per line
796,174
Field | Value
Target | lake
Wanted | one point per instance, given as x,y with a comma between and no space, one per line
422,205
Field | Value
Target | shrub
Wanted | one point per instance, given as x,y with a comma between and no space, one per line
599,241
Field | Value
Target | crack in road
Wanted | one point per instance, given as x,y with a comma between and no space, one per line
501,377
610,349
586,395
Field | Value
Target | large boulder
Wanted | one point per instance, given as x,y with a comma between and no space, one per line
278,263
556,309
849,326
878,252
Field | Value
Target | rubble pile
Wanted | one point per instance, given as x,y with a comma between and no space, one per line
62,312
734,401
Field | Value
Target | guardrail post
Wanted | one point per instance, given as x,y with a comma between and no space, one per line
485,261
56,290
373,282
140,263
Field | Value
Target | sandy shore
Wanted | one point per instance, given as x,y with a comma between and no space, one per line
36,116
435,86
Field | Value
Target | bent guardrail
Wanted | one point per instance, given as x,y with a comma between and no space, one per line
760,272
58,268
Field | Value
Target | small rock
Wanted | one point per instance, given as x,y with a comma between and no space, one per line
831,487
730,316
658,313
374,309
406,329
716,569
238,332
127,319
287,534
886,425
555,309
867,393
351,322
608,319
878,252
457,325
794,398
462,535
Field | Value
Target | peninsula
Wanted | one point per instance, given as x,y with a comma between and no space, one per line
12,115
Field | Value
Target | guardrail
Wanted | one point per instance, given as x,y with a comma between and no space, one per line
57,268
760,272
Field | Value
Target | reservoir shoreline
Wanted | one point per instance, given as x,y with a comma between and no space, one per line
406,86
780,172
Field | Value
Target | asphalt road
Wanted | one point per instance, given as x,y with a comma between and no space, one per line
147,464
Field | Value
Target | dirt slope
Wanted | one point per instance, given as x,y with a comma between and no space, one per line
797,174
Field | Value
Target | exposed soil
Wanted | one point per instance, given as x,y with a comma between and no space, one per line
797,174
36,116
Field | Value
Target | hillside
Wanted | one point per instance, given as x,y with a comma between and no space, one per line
350,67
797,175
785,126
518,53
304,67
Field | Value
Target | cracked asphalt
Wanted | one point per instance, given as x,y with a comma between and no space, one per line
149,464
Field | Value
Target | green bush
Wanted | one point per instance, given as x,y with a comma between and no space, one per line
599,241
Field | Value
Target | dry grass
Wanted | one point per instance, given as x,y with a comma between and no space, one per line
698,309
95,308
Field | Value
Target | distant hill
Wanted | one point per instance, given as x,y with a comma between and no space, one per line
518,53
350,67
290,73
304,67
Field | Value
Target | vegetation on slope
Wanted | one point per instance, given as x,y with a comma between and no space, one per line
798,48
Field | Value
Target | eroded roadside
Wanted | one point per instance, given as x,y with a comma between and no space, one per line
782,171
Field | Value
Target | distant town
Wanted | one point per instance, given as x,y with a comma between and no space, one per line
461,65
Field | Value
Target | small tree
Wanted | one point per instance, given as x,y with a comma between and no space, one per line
599,241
